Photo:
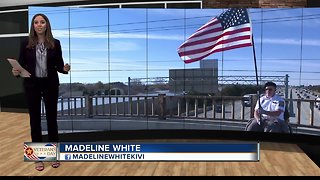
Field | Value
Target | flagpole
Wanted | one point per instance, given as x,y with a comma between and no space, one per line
256,71
255,62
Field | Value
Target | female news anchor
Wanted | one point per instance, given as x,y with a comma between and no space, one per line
41,56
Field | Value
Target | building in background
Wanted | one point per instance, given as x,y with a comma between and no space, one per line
203,80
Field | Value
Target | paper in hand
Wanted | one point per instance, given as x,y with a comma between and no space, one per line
15,64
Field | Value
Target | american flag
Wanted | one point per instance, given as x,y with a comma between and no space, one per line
229,30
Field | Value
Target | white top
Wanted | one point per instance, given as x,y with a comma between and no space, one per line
272,104
41,61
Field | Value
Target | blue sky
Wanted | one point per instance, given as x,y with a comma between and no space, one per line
110,45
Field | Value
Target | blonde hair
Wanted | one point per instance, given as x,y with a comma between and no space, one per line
33,38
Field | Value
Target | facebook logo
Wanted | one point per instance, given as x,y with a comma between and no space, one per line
67,156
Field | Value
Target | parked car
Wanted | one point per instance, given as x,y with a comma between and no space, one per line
247,99
318,103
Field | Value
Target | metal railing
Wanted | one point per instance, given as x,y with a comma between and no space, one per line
226,108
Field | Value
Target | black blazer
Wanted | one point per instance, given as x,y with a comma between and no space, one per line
55,62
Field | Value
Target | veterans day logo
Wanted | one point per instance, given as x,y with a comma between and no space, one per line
40,151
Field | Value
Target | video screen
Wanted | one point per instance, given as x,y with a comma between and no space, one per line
150,69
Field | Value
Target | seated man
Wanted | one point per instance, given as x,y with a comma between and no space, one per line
269,112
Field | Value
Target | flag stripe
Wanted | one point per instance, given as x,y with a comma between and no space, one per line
219,50
212,22
212,39
217,47
230,30
212,47
241,28
212,30
197,57
202,47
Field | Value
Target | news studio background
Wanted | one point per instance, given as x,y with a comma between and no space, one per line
77,151
240,41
